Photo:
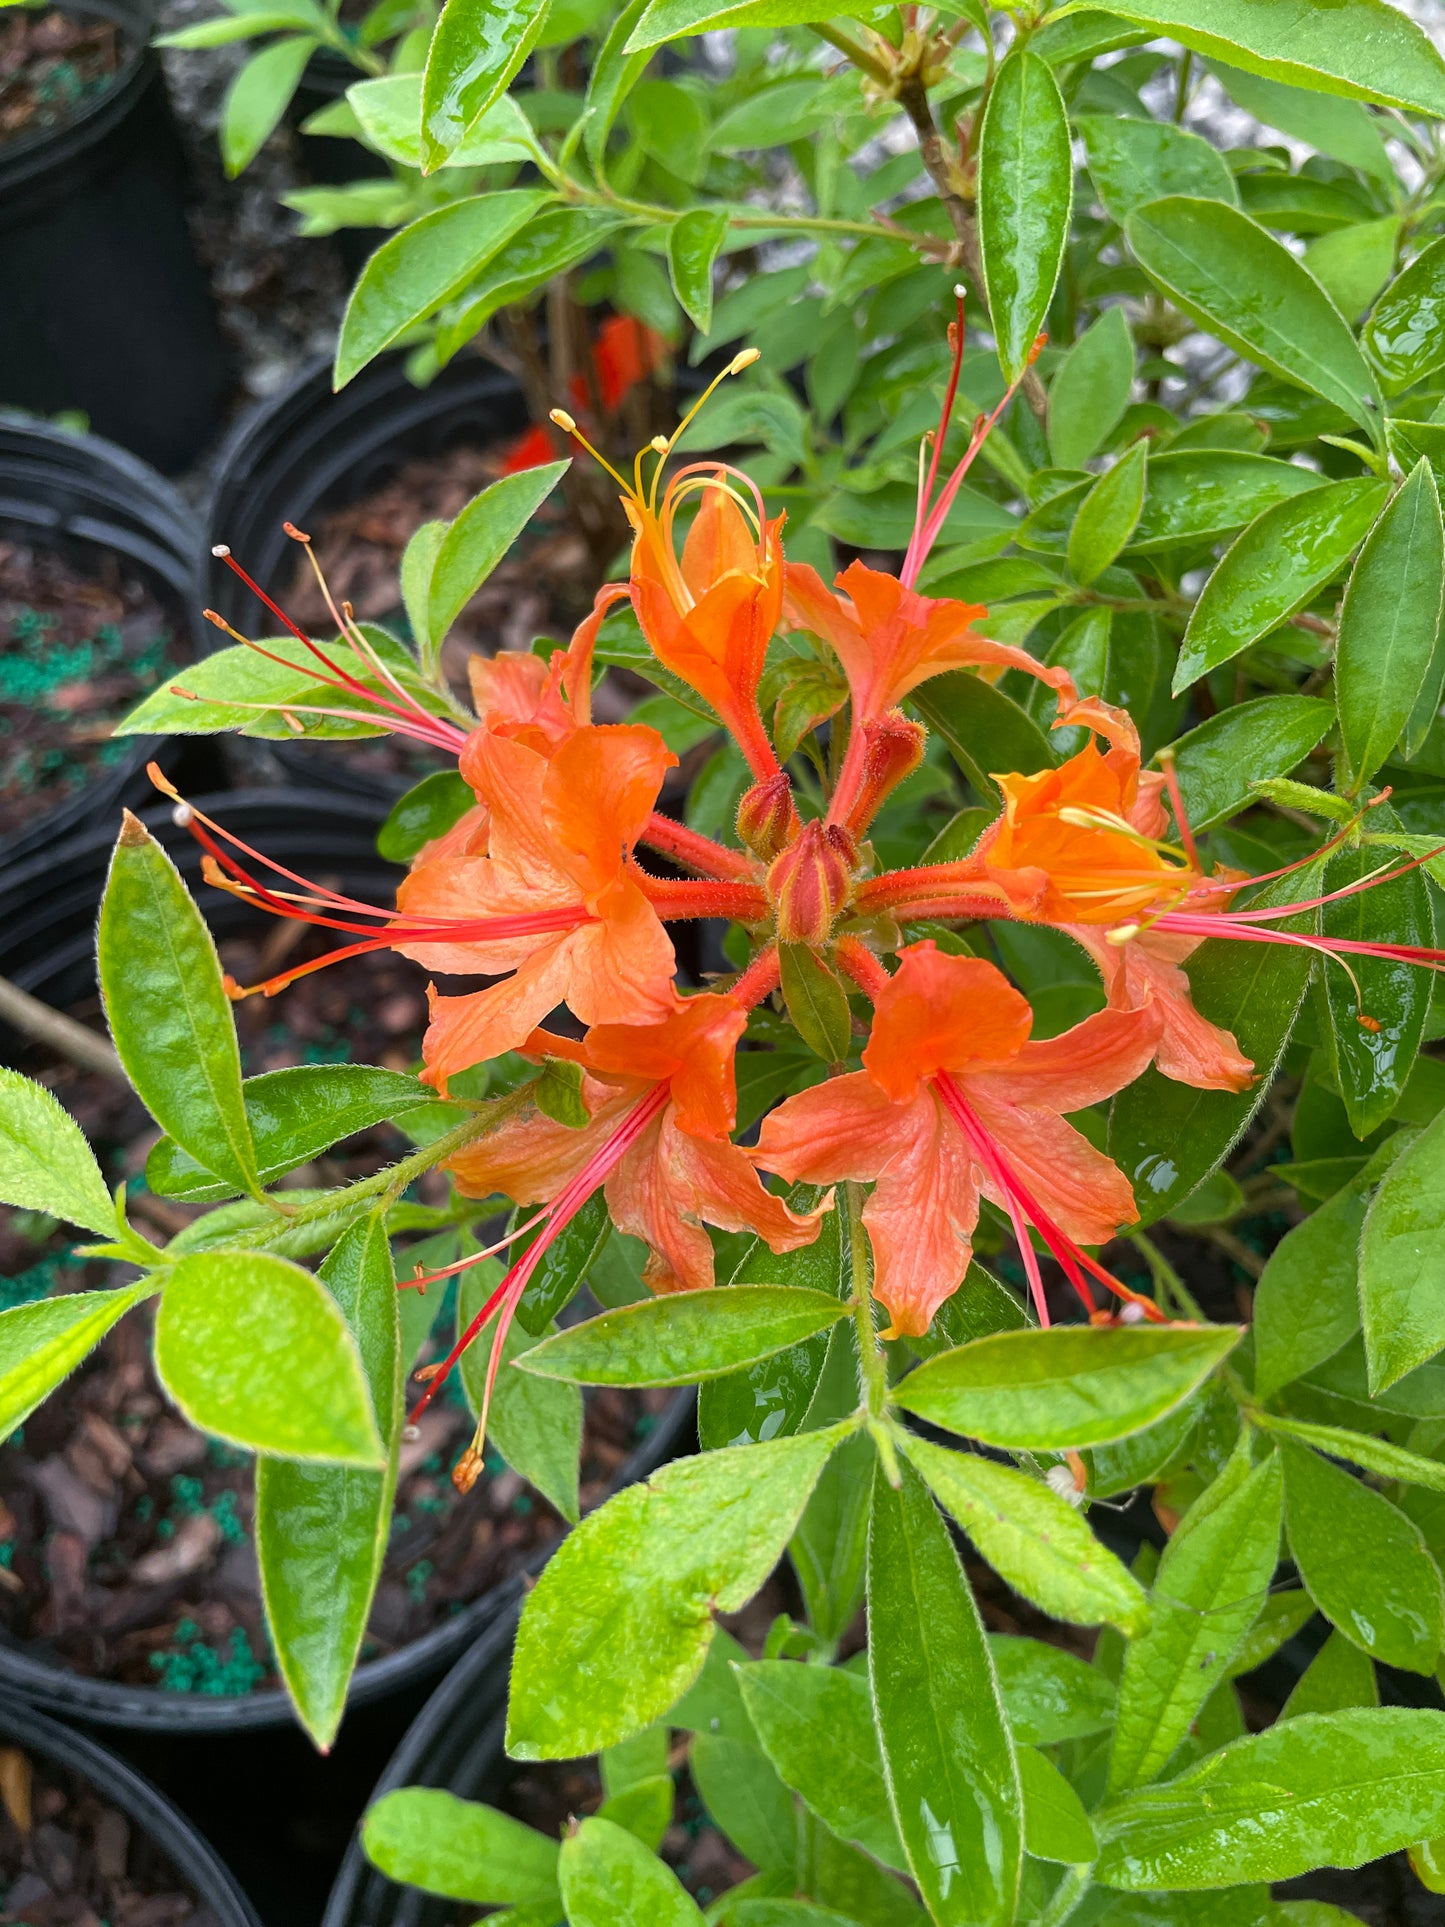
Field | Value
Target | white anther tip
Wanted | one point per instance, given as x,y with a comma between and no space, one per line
959,290
1060,1481
221,550
1131,1314
183,816
410,1434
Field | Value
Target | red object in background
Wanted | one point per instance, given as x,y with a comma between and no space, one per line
625,353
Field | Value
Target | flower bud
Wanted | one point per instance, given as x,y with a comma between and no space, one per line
811,882
767,820
894,749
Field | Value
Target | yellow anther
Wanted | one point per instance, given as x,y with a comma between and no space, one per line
564,421
1125,933
743,359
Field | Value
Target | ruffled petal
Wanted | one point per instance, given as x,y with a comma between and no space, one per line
1084,1192
1191,1050
940,1012
455,889
844,1128
596,796
530,1157
1079,1067
921,1216
620,969
468,1030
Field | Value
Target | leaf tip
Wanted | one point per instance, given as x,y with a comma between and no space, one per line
133,833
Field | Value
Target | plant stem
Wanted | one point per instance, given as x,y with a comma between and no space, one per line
61,1033
872,1366
1164,1274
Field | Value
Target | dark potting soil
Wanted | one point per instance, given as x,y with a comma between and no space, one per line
126,1535
78,648
69,1859
51,66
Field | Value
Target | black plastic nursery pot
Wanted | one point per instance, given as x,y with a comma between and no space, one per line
329,162
309,451
106,307
97,509
55,1749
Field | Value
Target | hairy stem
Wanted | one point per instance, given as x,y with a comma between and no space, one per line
872,1366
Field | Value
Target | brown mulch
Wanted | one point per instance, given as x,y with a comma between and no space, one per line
52,65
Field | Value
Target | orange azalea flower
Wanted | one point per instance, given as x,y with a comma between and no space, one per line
1147,970
562,830
955,1102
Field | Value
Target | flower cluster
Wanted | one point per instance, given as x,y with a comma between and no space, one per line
543,887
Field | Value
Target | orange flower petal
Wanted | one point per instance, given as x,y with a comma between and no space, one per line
942,1013
1084,1192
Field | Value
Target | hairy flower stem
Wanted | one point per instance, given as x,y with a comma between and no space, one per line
872,1365
693,851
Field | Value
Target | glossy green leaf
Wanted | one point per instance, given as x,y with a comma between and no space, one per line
985,730
1212,1581
1402,1262
1033,1539
1405,335
565,1266
1049,1694
1330,1789
1232,277
389,112
1273,569
620,1622
258,96
948,1757
428,1838
536,1424
1377,1015
41,1343
1280,1618
1389,624
1143,1456
321,1530
1365,1565
1364,49
693,242
1091,388
1071,1385
1191,496
1338,1676
1168,1137
1306,1304
227,28
1354,263
476,48
609,1879
255,1350
815,1724
1108,515
615,72
1025,195
685,1336
1219,761
45,1163
168,1012
294,1115
1375,1455
1056,1827
428,809
740,1788
1132,162
816,1001
1348,133
673,19
829,1550
481,535
547,244
431,260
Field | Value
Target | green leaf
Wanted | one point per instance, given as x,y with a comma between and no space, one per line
294,1115
481,535
1049,1694
1306,1304
1191,496
168,1012
431,260
816,1001
948,1757
255,1350
417,562
1338,1676
686,1336
557,1092
45,1163
985,730
535,1425
1389,623
547,244
1360,1448
1365,1565
258,97
693,242
227,28
644,1809
1218,762
1069,1386
1348,133
1134,161
1091,388
1056,1827
41,1343
1280,1618
1362,49
816,1726
674,19
741,1791
321,1530
476,48
1377,1012
1166,1137
615,72
1232,277
1354,263
1330,1789
388,112
1212,1581
1405,336
424,1837
1025,195
1143,1456
1108,515
1034,1539
1273,569
609,1879
830,1547
620,1622
1402,1262
565,1265
428,809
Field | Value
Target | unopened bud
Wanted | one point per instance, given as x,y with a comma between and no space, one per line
564,421
894,749
767,820
811,882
